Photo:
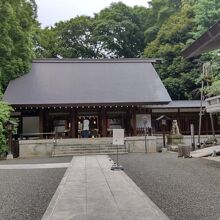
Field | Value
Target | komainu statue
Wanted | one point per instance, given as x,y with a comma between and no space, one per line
175,137
175,128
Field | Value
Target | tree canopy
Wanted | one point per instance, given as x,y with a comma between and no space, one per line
179,76
207,12
17,25
116,31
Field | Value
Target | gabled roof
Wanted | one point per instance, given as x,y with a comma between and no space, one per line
78,82
210,40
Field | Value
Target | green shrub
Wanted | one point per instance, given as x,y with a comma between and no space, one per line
5,110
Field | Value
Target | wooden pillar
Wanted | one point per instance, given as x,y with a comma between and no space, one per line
73,123
212,124
133,123
100,122
41,123
128,123
179,121
46,121
21,126
206,124
103,117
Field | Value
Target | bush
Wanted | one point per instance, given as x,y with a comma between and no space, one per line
5,110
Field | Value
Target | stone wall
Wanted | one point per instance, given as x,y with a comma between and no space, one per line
137,144
186,139
36,148
41,148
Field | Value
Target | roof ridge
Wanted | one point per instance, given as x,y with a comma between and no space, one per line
118,60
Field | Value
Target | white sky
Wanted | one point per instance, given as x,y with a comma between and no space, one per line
52,11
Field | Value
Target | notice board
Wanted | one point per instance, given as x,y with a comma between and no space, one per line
118,137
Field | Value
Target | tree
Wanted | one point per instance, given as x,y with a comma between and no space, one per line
119,29
179,76
207,12
17,24
75,38
159,13
46,43
116,31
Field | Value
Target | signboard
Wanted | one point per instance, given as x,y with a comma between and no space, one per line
118,136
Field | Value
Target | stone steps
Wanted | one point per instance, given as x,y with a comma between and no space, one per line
88,147
67,150
88,150
84,153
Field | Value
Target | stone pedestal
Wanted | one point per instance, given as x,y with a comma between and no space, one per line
9,157
174,139
137,144
184,151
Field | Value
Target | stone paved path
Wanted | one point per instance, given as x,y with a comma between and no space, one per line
89,190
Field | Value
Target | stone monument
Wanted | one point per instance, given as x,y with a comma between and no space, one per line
175,137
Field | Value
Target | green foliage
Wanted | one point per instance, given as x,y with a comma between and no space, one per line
4,116
207,12
75,38
17,25
214,89
179,76
160,12
120,31
212,84
46,43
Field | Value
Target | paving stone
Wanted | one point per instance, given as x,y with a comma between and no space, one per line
92,191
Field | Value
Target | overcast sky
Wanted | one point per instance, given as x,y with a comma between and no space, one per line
52,11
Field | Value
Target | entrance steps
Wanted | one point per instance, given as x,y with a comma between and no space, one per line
76,147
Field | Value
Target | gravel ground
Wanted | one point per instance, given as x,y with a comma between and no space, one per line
37,160
184,189
26,194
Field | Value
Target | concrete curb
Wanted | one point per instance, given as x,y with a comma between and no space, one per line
33,166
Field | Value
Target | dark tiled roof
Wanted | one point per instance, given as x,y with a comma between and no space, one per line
71,81
210,40
179,104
